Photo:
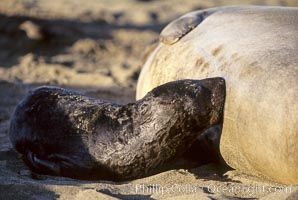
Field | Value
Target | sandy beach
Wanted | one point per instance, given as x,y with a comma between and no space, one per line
98,48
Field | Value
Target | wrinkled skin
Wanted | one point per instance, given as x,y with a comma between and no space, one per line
64,133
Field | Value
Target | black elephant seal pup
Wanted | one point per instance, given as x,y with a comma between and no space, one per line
61,132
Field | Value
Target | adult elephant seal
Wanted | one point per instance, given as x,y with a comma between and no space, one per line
255,49
64,133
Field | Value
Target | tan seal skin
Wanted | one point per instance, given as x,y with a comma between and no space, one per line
255,49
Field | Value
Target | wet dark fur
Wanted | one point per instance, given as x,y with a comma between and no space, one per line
65,133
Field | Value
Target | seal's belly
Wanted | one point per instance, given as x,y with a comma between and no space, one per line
256,52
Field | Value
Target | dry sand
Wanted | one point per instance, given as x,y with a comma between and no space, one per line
98,47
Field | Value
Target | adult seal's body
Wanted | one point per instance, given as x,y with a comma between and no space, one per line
61,132
255,50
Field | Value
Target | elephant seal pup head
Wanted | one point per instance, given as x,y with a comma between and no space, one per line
64,133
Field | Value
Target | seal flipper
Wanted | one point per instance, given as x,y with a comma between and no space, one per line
40,165
56,164
206,147
174,31
178,28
